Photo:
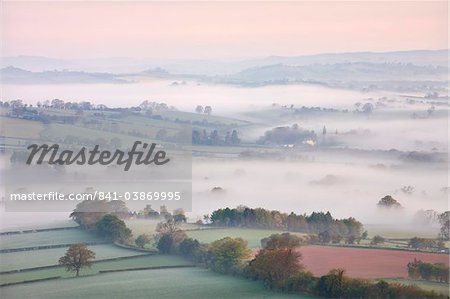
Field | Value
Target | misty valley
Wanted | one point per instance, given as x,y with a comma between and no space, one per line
338,162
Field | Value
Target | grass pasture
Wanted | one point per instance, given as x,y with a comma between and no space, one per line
66,236
164,283
47,257
399,231
14,223
20,128
252,236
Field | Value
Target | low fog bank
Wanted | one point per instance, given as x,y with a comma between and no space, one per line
10,221
346,189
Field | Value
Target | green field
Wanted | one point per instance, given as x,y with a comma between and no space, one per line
130,263
438,287
166,283
20,128
67,236
252,236
7,226
48,257
398,231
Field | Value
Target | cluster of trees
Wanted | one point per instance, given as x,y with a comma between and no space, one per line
226,255
377,240
55,104
88,213
104,218
149,213
366,108
169,235
423,243
278,265
146,106
30,113
305,109
336,285
215,138
151,107
428,271
388,202
322,224
288,135
444,221
207,110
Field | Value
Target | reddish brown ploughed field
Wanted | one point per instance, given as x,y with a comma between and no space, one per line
364,263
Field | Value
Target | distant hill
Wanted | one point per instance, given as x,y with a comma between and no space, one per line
15,75
222,66
398,71
417,57
340,72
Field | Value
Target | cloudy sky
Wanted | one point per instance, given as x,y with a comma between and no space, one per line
218,29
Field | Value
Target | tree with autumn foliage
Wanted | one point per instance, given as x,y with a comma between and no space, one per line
277,261
78,256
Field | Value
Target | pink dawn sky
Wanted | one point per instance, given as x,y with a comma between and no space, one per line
218,29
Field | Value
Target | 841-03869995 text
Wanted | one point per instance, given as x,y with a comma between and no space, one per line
98,195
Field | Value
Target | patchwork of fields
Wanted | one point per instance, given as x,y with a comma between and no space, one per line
191,282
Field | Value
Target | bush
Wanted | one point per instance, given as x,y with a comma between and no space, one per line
190,248
227,255
165,243
113,228
377,240
142,240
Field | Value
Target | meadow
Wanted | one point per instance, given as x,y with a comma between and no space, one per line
252,236
66,236
121,264
165,283
47,257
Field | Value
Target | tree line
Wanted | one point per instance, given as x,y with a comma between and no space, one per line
288,135
428,271
202,137
325,228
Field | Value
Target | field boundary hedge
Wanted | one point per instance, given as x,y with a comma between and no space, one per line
30,231
28,281
152,251
41,247
377,248
57,266
146,268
